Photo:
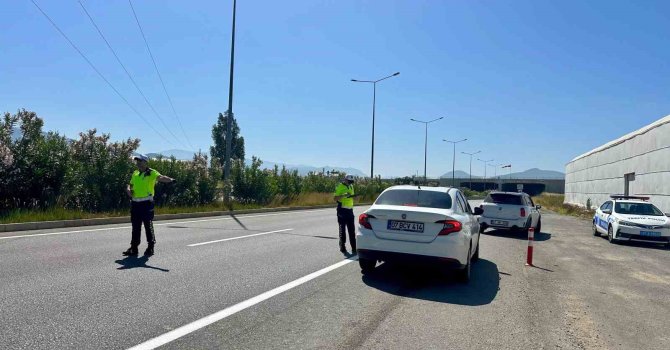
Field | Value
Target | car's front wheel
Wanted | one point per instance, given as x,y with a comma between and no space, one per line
367,265
610,235
538,229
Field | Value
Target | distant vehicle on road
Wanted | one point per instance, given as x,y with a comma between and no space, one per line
418,224
631,218
510,211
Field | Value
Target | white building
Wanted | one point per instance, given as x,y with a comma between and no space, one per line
635,164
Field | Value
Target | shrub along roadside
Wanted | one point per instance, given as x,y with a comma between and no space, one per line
554,202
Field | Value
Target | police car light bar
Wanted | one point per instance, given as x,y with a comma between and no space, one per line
623,196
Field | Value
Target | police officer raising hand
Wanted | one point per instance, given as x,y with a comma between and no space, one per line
141,192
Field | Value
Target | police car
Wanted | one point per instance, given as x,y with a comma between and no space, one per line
631,218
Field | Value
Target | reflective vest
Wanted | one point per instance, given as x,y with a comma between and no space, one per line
343,189
142,183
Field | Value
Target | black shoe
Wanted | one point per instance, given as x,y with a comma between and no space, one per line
130,252
353,251
149,251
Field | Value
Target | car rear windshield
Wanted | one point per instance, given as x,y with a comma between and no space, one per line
415,198
637,209
503,198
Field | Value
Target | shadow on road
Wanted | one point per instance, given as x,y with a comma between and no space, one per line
646,245
132,262
539,236
436,284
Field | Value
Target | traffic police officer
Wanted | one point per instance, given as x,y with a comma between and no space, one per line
344,196
141,192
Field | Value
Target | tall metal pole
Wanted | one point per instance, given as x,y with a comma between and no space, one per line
485,165
425,154
453,168
453,162
229,116
425,151
471,154
372,155
374,98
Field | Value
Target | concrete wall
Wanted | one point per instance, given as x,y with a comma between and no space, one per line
600,172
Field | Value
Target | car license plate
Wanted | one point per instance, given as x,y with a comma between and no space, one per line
650,234
405,226
499,222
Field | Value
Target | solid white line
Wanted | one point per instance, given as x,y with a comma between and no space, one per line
233,238
220,315
163,224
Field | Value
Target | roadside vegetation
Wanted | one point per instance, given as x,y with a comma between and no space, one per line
554,202
45,176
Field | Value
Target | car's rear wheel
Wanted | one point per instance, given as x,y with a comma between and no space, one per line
610,235
595,230
367,265
464,274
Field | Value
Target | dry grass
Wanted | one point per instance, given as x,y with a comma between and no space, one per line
554,202
55,214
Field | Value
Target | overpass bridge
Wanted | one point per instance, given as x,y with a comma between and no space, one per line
530,186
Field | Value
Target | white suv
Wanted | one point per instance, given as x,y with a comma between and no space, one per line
510,210
631,218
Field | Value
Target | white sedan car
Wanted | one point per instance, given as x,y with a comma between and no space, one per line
631,218
419,224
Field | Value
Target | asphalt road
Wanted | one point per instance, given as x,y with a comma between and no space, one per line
61,289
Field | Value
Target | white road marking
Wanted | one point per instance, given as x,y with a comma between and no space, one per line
162,224
233,238
220,315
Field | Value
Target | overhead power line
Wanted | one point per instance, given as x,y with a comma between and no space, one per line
97,71
128,73
159,74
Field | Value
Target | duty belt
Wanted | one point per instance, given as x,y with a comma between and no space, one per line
143,199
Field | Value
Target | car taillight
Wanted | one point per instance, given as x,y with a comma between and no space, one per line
449,227
364,221
523,212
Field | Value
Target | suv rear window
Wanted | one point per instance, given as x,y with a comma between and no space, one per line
415,198
503,198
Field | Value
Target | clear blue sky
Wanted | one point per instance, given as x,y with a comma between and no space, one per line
533,83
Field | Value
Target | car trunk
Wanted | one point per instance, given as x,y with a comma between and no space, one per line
389,223
502,211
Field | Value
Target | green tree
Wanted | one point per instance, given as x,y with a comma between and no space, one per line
218,151
33,165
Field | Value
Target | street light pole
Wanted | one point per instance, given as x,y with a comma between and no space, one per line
453,163
485,164
495,173
471,154
374,98
425,151
229,114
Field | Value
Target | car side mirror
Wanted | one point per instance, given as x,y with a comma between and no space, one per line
667,214
478,211
608,211
538,207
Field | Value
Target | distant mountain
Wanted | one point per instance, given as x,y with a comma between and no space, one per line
459,175
536,173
